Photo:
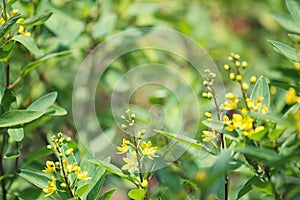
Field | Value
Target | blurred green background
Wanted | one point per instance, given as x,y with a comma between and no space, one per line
220,27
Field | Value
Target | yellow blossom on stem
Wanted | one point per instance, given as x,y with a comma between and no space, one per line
231,102
51,187
131,164
148,150
208,136
82,175
50,167
124,147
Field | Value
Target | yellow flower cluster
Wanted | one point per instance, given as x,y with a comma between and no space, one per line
230,103
21,28
60,147
242,123
257,105
136,149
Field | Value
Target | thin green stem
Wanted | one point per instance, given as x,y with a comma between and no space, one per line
226,178
136,146
66,177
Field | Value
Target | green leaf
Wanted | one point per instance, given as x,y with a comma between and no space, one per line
6,51
276,133
13,154
9,101
185,140
137,194
259,135
55,110
96,183
8,25
259,154
286,50
265,187
110,168
105,25
248,186
17,134
43,102
33,65
287,22
29,43
17,117
270,117
261,88
294,8
38,179
107,194
82,189
142,8
37,20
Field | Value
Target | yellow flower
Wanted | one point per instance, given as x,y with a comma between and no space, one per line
149,151
50,167
124,147
231,102
253,79
51,187
69,151
2,21
291,96
20,20
82,175
208,136
14,11
131,164
144,183
239,122
245,86
22,31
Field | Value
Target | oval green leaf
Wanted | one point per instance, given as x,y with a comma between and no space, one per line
17,117
137,194
43,102
286,50
17,134
261,88
29,43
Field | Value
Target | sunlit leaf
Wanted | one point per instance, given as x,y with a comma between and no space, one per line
29,43
110,168
17,117
185,140
286,50
43,102
37,20
17,134
261,89
36,178
137,194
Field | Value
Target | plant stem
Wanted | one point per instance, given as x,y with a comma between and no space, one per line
221,138
137,154
66,178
